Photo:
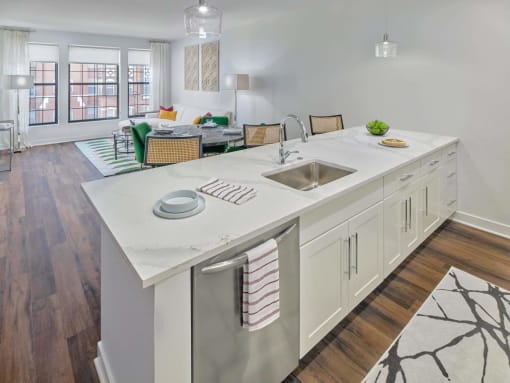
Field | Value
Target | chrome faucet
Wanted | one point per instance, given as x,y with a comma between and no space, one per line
304,136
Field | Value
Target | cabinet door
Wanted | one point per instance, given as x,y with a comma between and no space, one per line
431,203
449,189
323,291
366,238
411,230
393,228
450,203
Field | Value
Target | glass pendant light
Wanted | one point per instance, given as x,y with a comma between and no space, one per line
386,48
203,20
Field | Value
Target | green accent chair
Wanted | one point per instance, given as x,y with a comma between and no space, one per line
139,133
220,120
229,149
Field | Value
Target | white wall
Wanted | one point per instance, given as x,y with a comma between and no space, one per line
65,131
451,78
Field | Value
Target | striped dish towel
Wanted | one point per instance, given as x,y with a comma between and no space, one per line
237,194
261,286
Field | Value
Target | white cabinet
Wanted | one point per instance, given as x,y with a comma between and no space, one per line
449,182
401,226
323,291
431,203
411,229
349,245
366,258
394,222
415,210
449,189
339,269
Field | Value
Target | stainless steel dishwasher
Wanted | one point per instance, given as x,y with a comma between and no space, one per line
224,351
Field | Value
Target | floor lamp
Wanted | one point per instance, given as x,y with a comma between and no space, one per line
236,82
18,82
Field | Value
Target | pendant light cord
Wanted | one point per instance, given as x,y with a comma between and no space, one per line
386,16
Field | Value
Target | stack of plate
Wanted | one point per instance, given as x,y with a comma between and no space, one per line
179,204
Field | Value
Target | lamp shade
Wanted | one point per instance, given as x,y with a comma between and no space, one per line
18,81
236,82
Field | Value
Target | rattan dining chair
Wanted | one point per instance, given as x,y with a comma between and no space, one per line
164,150
326,124
263,134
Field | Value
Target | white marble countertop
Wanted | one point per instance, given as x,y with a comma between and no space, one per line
158,248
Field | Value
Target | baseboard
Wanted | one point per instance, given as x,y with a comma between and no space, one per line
100,369
102,365
484,224
68,139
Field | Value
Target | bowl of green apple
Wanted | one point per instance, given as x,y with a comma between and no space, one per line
377,128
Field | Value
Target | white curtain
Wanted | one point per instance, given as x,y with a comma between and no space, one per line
14,60
160,68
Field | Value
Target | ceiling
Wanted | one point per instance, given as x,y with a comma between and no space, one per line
154,19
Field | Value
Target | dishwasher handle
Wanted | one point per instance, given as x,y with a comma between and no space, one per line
240,259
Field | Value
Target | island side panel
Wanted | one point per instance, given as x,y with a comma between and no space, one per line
172,329
127,318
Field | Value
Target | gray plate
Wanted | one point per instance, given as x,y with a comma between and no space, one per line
163,214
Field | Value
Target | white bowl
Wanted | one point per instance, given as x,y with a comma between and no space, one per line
179,201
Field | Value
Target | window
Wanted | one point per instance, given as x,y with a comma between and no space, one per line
43,96
93,91
139,89
43,105
139,82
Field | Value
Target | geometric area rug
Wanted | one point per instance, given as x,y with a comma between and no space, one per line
100,152
461,333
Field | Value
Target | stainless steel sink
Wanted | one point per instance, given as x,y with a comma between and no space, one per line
308,175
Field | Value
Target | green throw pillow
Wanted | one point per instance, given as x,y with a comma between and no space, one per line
220,120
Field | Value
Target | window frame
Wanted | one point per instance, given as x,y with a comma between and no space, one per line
82,84
55,84
142,83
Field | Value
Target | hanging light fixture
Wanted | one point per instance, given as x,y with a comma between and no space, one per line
203,20
386,48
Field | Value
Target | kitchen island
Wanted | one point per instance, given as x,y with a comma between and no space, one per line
146,261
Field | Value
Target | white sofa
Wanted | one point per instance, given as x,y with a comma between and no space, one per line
185,116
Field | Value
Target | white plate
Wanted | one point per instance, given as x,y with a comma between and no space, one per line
163,214
391,146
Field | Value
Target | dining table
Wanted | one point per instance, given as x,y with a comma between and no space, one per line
211,136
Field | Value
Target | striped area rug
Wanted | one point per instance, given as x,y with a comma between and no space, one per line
100,152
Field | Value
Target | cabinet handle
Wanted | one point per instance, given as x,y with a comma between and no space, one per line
356,236
406,177
353,252
451,202
405,215
348,272
451,174
402,218
406,224
410,213
451,153
427,201
432,163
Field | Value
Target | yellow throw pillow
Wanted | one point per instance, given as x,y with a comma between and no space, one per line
197,120
166,115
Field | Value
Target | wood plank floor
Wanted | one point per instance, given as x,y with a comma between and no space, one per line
50,285
49,268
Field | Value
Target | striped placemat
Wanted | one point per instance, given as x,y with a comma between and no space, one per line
237,194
